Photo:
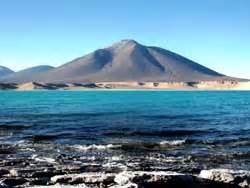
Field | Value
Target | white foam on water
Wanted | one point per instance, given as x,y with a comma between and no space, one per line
96,147
92,158
43,159
173,142
115,158
166,159
28,149
115,165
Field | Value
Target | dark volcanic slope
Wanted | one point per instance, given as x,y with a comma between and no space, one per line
4,71
129,61
26,75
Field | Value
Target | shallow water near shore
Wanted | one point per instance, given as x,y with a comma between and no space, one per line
137,130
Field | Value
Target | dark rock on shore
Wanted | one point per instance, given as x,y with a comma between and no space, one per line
12,182
4,86
53,177
22,166
3,172
87,178
6,149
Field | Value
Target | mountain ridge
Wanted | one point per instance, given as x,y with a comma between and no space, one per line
26,75
4,71
128,60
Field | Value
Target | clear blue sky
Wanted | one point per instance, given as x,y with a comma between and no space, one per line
215,33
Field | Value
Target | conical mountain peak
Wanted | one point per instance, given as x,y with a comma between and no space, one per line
125,43
128,60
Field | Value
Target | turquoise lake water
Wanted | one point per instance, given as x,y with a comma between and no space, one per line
203,128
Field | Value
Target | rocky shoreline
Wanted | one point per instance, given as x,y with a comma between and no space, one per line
221,178
23,170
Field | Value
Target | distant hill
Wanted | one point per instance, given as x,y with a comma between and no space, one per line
126,60
26,75
4,71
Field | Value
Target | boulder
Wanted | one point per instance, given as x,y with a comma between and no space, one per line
240,178
12,182
84,178
3,172
153,179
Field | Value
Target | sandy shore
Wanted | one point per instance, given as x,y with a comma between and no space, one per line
204,85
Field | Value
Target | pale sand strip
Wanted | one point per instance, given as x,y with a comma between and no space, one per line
204,85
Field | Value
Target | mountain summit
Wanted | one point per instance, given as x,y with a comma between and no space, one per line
128,60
